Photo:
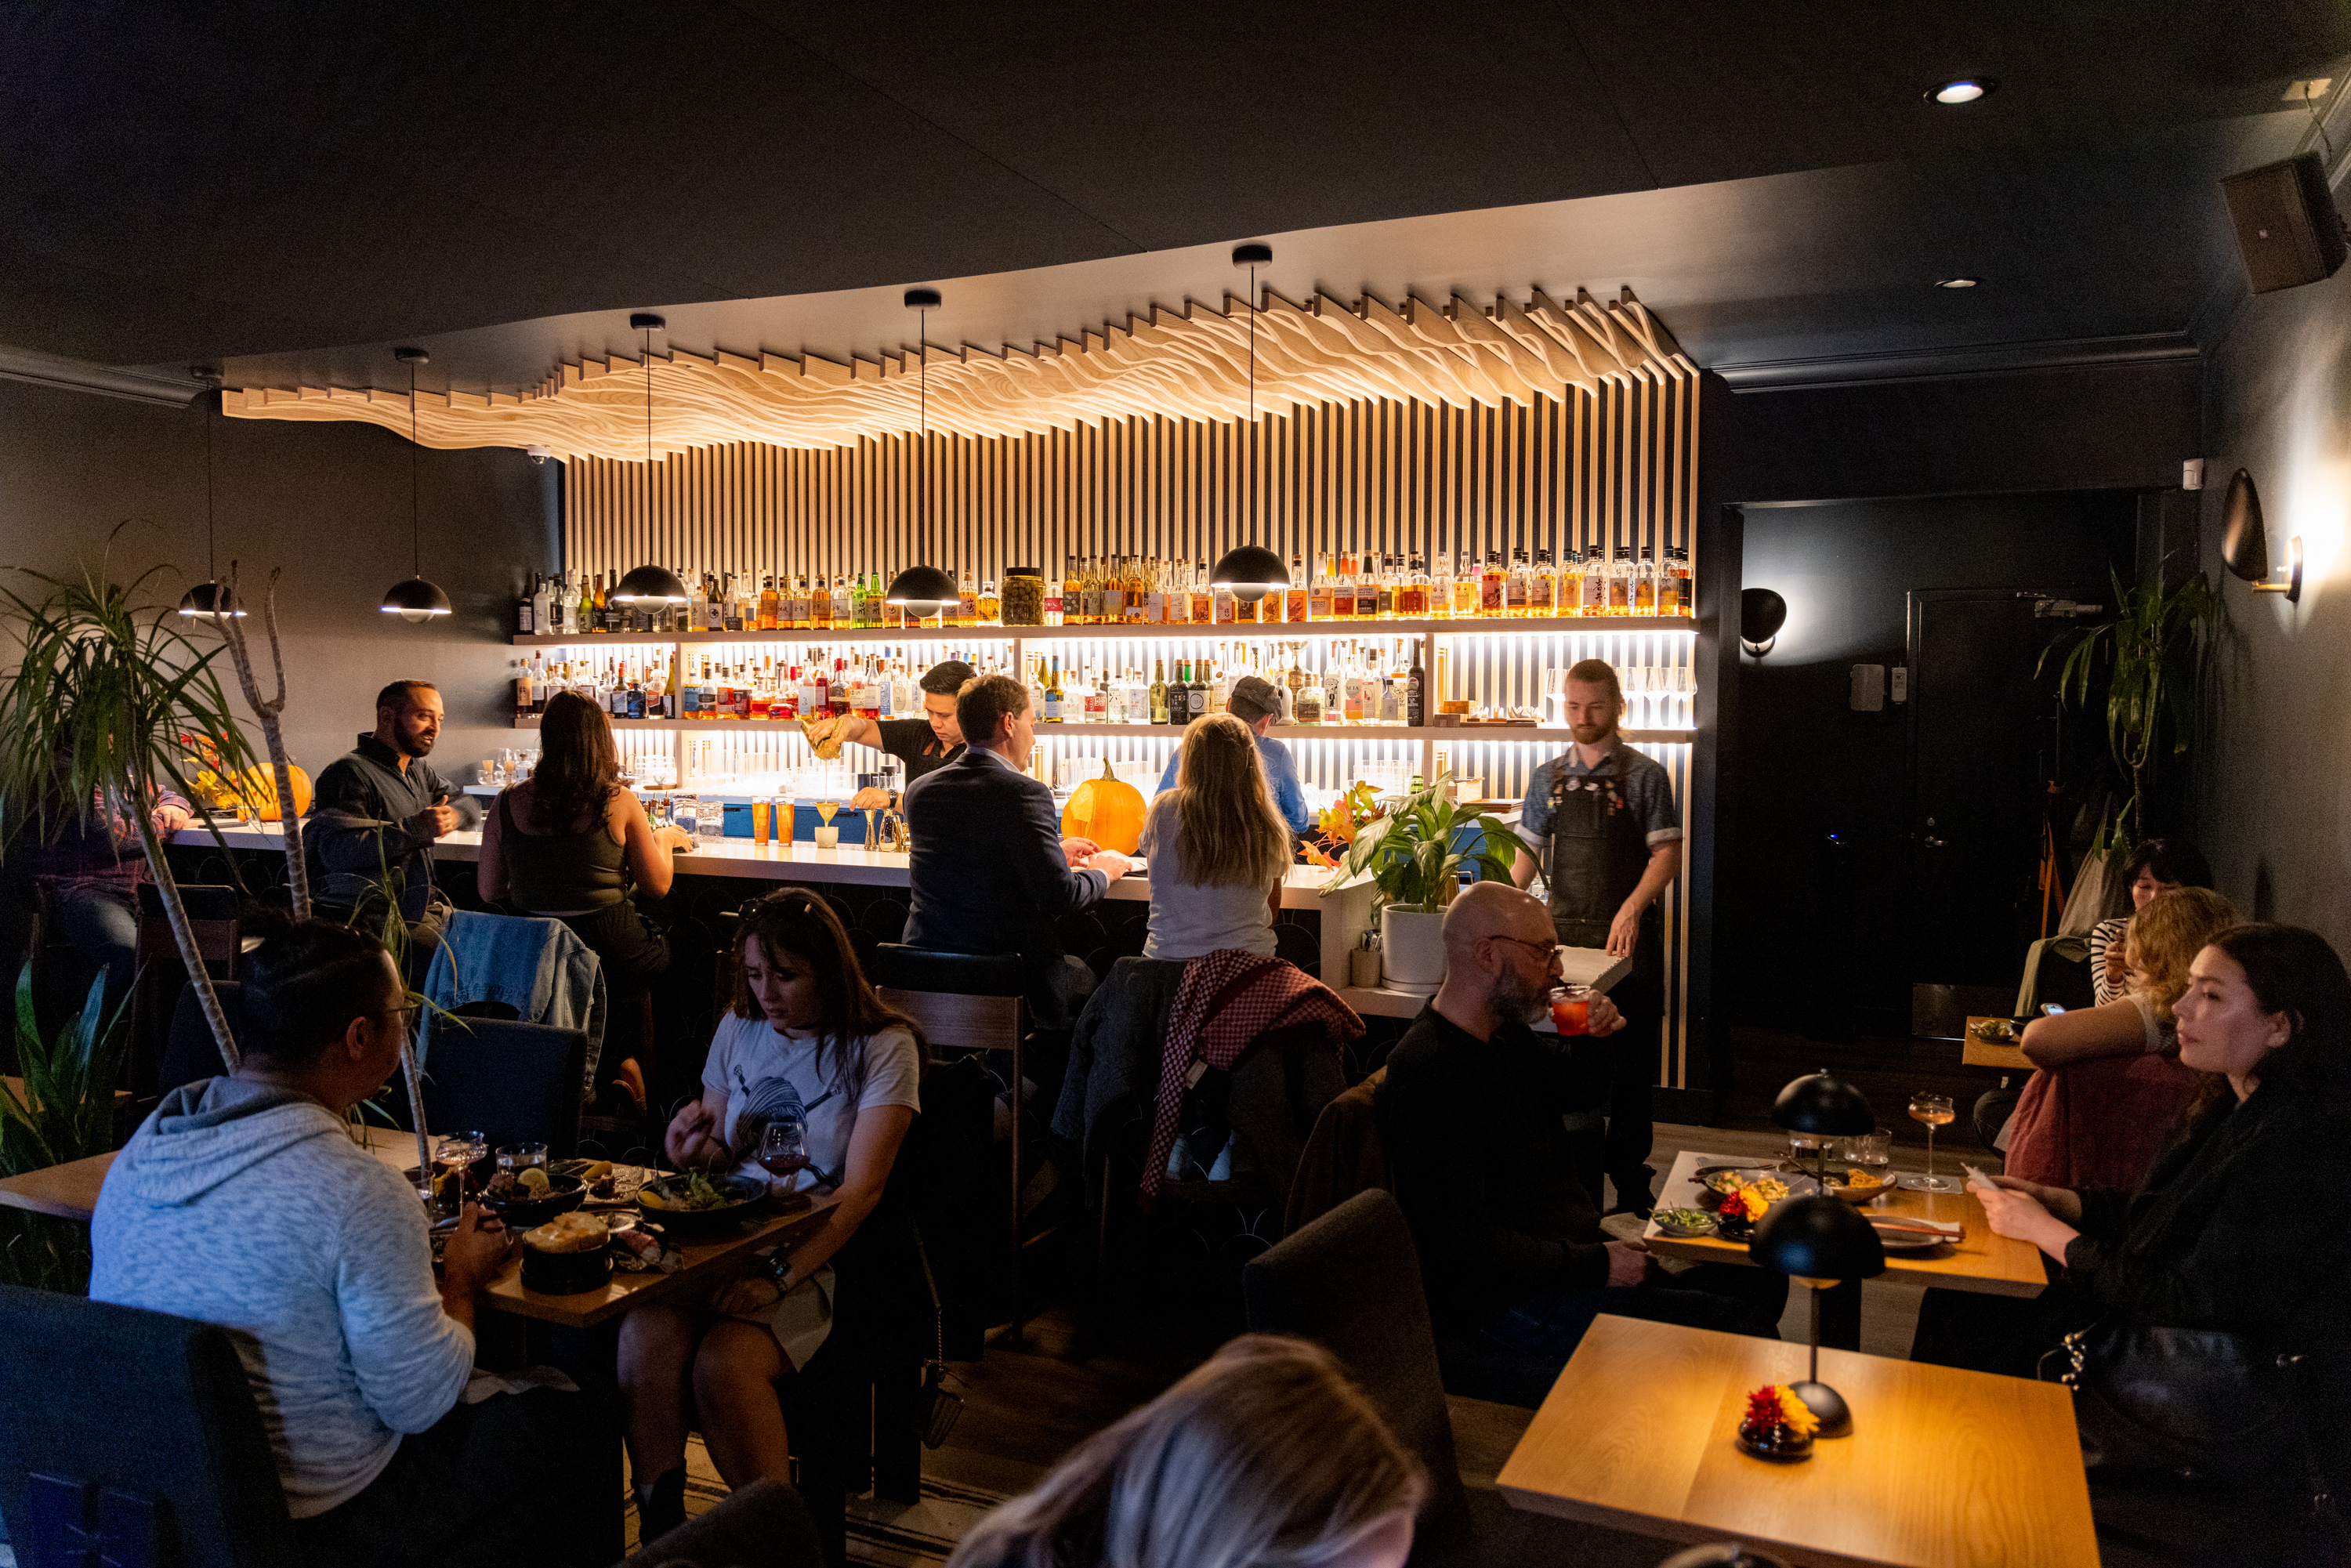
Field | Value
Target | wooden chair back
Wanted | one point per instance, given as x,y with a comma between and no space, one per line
951,1021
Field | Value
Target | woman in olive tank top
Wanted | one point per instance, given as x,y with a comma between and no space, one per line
571,844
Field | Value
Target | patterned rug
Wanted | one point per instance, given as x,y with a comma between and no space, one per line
881,1534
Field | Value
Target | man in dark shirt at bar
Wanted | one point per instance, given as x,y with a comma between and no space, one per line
378,809
1511,1249
924,745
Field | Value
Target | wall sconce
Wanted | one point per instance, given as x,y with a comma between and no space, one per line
2244,542
1761,614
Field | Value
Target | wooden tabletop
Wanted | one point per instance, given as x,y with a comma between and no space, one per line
1995,1265
1944,1468
71,1192
1977,1052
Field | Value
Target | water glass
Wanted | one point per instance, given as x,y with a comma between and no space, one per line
516,1158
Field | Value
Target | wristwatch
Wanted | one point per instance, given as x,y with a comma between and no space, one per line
777,1268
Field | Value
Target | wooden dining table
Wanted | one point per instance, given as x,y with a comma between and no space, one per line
71,1192
1979,1260
2006,1055
1944,1468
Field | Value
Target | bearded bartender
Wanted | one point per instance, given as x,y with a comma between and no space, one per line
924,745
1601,819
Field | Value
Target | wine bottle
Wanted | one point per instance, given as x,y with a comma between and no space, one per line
1159,691
1416,689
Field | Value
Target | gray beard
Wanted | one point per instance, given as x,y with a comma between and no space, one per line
1512,997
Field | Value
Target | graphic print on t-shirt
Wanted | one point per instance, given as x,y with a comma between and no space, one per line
766,1100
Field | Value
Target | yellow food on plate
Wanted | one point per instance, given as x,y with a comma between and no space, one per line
1856,1177
534,1178
573,1232
597,1171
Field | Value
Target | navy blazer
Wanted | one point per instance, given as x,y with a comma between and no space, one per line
987,874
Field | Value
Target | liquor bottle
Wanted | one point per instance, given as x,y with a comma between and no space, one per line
1518,589
595,606
1057,597
522,694
1412,592
1390,575
1368,589
1199,599
1196,692
1440,588
842,616
1493,591
1620,581
965,611
1318,594
1415,687
1054,697
989,609
637,695
1674,583
1112,610
1295,608
1159,691
526,608
770,604
1137,588
1644,586
1306,699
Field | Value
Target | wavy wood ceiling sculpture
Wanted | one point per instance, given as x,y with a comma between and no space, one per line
1192,364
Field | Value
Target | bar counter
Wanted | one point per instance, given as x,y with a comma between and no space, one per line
1341,916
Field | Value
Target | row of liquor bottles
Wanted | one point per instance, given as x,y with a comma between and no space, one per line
1133,590
1358,684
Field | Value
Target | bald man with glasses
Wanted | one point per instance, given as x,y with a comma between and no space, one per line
1472,1112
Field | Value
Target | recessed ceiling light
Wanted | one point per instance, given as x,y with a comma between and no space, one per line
1956,282
1965,90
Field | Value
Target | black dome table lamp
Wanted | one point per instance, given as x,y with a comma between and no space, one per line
1819,1242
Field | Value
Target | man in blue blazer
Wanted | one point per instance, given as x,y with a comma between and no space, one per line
990,871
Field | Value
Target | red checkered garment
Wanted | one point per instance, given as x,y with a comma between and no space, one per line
1226,999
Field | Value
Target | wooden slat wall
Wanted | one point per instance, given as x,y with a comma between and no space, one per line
1401,476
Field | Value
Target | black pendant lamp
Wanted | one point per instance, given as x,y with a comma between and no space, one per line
1250,569
1819,1242
925,590
415,600
206,601
649,584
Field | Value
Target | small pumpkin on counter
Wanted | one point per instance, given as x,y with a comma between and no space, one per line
1107,809
258,785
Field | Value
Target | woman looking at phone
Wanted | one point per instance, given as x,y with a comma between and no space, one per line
810,1052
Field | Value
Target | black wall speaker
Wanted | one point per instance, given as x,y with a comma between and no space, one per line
2287,228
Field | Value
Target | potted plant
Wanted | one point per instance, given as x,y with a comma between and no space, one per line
90,721
1414,854
66,1112
2151,655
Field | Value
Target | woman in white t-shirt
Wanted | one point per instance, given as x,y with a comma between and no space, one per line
1217,848
807,1041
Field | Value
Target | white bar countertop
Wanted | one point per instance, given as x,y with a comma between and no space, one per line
1302,886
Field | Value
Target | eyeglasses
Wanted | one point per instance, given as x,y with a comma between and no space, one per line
1546,951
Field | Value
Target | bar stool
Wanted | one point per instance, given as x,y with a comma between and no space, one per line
966,1001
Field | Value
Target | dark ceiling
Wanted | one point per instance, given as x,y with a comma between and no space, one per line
264,183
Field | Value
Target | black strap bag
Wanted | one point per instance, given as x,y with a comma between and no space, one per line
2196,1403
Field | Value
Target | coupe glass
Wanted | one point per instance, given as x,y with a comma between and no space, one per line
1931,1111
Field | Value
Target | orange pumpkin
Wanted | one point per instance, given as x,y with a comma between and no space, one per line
258,785
1107,809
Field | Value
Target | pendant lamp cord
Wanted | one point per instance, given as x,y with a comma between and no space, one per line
649,432
1253,394
211,565
923,399
415,517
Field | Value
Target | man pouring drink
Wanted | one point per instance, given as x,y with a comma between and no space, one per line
924,745
1601,820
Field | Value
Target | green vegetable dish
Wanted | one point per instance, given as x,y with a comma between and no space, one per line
1684,1219
697,1193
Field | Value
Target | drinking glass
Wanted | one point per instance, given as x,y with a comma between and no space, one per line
520,1157
1873,1151
762,812
1570,1009
783,1147
452,1157
1931,1111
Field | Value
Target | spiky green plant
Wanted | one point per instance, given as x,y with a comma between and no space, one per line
2151,655
66,1113
1411,853
90,721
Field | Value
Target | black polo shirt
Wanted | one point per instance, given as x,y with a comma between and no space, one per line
912,741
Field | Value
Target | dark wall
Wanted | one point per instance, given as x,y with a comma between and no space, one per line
329,504
1802,765
2275,779
2096,427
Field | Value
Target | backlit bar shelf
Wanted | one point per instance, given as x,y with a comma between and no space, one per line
1467,626
1555,736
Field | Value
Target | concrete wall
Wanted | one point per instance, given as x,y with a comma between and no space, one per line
2275,807
329,504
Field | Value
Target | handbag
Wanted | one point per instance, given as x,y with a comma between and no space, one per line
2197,1403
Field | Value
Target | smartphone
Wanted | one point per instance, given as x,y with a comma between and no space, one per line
2051,1010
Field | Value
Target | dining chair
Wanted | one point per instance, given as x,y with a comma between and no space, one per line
765,1522
514,1082
1351,1282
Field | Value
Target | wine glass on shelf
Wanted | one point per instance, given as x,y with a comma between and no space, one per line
1931,1111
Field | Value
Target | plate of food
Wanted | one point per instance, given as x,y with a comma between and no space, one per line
1996,1031
1857,1185
532,1196
1684,1222
567,1255
696,1205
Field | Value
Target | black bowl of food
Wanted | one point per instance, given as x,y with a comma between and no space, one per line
692,1206
522,1202
568,1255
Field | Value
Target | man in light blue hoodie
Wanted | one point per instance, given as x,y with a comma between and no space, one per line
243,1202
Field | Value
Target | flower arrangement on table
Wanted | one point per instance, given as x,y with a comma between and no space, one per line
1778,1425
1745,1204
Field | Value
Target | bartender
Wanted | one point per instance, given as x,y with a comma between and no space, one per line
1601,819
923,744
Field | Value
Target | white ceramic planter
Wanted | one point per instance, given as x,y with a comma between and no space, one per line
1412,949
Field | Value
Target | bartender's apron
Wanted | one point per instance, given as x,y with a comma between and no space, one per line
1599,851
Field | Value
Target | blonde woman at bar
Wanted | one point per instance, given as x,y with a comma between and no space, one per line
1265,1458
1217,848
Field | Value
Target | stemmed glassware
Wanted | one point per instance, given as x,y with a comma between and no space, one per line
783,1147
1931,1111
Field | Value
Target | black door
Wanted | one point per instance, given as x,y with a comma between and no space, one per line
1986,741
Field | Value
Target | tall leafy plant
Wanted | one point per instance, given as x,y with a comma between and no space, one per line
66,1113
91,720
2150,656
1417,853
